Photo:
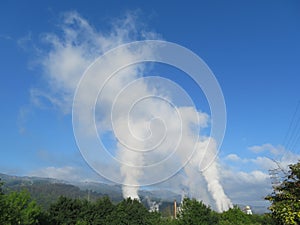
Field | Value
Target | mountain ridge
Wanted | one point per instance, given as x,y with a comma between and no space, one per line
47,190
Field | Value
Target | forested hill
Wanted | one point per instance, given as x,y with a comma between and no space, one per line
46,190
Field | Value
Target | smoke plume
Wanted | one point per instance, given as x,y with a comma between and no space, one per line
146,130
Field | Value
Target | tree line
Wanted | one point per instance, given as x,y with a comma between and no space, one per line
17,207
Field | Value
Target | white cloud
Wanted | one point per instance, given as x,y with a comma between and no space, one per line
25,41
267,147
5,37
74,173
233,157
253,177
247,188
73,51
67,173
247,180
264,163
279,156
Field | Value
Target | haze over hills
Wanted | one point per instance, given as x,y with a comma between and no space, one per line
47,190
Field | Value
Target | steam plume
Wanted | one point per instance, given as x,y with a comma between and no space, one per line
150,121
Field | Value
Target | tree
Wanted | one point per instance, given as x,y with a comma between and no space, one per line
65,211
96,212
285,200
76,211
235,216
18,208
130,212
2,206
195,212
1,185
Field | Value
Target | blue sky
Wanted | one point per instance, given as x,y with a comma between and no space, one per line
252,47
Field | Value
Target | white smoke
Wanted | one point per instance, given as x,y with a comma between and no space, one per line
150,119
153,205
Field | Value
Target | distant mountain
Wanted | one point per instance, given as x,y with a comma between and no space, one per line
112,190
47,190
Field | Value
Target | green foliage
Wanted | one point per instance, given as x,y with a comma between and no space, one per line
65,211
194,212
235,216
1,185
98,212
130,212
285,200
103,211
47,193
18,208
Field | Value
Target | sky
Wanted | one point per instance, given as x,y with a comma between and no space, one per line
252,48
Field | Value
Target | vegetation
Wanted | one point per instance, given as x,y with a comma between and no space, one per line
235,216
46,193
194,212
17,207
285,200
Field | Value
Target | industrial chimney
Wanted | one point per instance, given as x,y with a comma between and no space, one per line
175,209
